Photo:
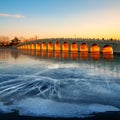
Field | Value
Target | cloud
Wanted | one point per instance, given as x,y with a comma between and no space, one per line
12,15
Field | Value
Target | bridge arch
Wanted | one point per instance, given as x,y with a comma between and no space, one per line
107,49
50,46
83,47
37,46
44,47
28,46
32,46
94,48
57,46
65,46
25,47
74,47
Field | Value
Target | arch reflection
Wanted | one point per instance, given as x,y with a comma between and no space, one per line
57,54
84,55
66,55
95,56
50,54
44,54
108,56
74,55
37,53
33,52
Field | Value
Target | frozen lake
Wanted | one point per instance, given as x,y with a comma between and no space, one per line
58,84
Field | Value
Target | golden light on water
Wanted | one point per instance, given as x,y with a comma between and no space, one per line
65,55
74,55
84,55
95,56
50,54
57,55
44,54
108,56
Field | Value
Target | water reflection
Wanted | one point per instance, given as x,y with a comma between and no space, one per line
50,54
95,56
70,79
57,54
44,54
74,56
69,55
65,55
4,54
108,56
37,53
33,52
84,56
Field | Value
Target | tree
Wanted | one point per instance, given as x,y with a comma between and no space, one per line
15,41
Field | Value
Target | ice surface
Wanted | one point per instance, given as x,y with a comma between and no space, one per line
58,89
50,108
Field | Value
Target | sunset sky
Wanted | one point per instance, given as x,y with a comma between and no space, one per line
60,18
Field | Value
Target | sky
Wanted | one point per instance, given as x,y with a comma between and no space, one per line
60,18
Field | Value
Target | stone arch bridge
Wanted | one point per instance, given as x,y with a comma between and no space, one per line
72,45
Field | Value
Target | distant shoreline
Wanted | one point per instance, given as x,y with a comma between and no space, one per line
98,116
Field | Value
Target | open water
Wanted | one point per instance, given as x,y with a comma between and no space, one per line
58,84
